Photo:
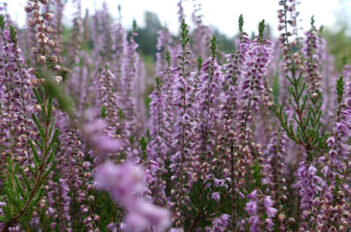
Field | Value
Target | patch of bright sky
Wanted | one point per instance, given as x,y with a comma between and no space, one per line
222,14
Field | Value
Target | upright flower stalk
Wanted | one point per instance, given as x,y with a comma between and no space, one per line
128,100
234,71
157,147
209,80
182,132
16,102
252,88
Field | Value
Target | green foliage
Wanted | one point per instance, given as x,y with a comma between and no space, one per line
213,46
168,58
257,176
261,27
241,23
103,112
147,35
224,43
184,33
307,106
2,22
121,114
307,116
340,89
339,45
199,63
202,207
312,21
158,83
143,141
13,35
134,25
106,208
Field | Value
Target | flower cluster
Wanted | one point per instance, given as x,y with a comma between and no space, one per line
125,182
258,207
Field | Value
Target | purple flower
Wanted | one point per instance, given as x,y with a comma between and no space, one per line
271,212
312,62
125,182
146,215
220,223
99,139
267,201
252,195
254,223
216,196
251,207
269,224
219,182
331,141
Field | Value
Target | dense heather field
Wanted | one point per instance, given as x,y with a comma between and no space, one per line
256,140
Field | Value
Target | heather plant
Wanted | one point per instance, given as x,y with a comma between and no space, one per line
254,140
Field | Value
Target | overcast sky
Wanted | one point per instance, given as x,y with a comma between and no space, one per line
222,14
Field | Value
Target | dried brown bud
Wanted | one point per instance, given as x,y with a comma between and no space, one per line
41,59
48,16
37,108
40,35
49,29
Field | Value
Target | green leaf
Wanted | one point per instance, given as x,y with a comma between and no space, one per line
13,35
2,219
38,144
52,125
33,171
103,112
8,212
25,179
2,22
52,154
47,172
19,188
241,23
261,27
184,34
12,198
199,63
37,96
213,46
340,89
36,199
40,128
35,153
49,107
53,142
